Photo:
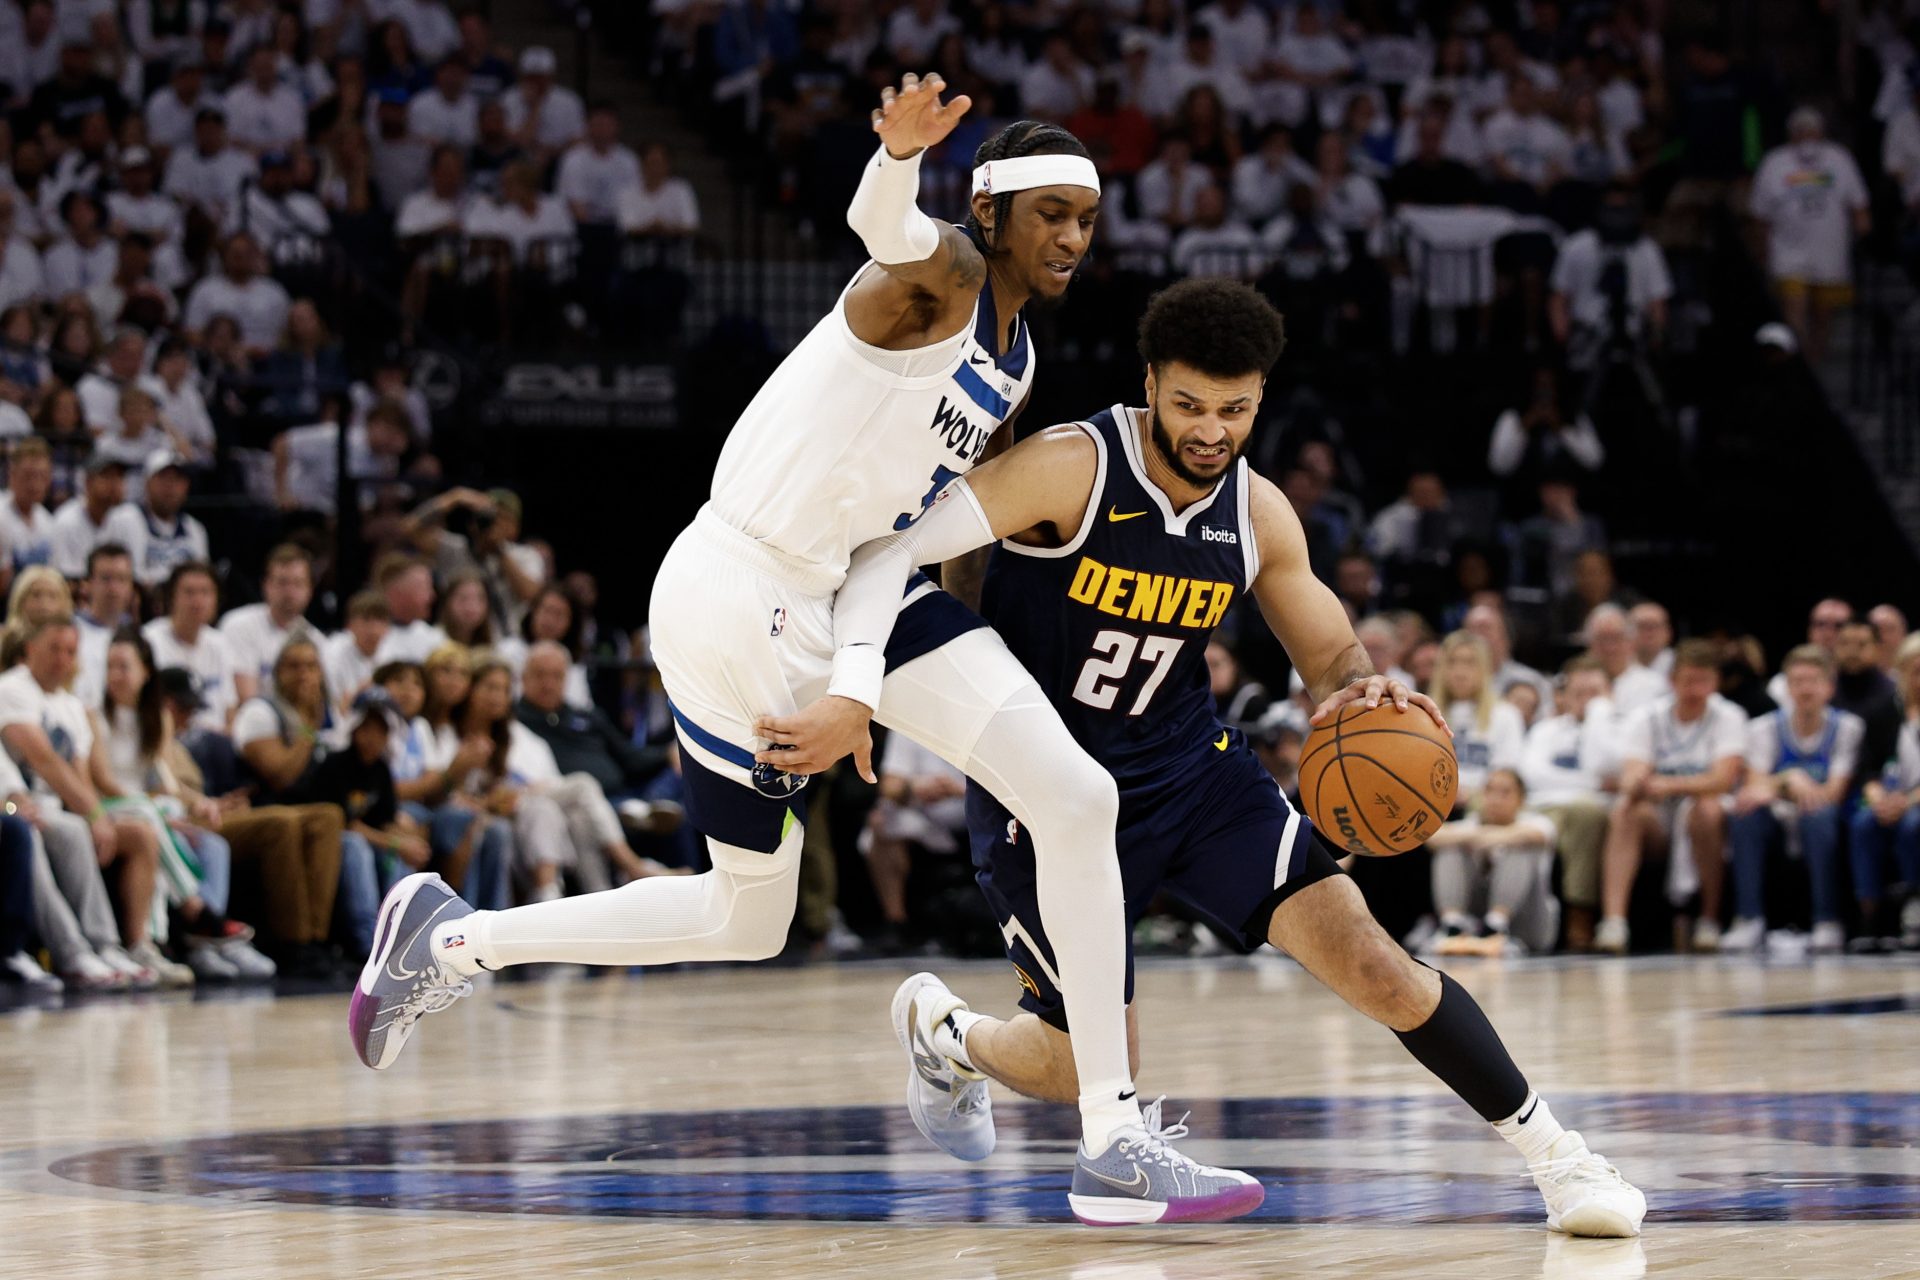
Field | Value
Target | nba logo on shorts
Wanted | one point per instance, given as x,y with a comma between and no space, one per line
779,622
777,784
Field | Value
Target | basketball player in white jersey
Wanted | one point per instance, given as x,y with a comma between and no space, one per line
893,395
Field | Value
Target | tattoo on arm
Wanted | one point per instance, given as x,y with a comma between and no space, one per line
1353,664
966,267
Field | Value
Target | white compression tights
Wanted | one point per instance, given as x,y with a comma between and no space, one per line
740,910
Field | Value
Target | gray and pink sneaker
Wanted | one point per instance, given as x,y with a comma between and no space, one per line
1140,1178
401,980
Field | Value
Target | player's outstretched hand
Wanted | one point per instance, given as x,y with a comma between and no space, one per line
913,118
1371,690
812,738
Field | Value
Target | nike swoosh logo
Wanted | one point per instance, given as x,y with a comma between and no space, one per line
1222,744
1116,515
394,969
1136,1185
976,358
1530,1110
929,1064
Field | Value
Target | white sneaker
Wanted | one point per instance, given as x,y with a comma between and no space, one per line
1828,937
209,965
170,973
948,1102
1611,937
1706,935
137,976
23,969
91,973
244,957
1745,934
1910,923
1585,1195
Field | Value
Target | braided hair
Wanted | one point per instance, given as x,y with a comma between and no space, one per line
1021,138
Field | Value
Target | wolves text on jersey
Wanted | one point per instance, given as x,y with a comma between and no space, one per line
961,436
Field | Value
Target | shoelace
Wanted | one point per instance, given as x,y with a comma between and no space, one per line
1583,1166
1155,1145
433,995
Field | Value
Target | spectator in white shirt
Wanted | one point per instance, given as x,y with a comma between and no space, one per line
348,655
173,109
131,295
1568,763
185,637
87,256
916,29
22,278
306,462
594,172
1309,65
1811,197
1540,437
1488,731
1679,757
661,204
1261,178
137,206
1609,639
256,302
431,28
1524,145
1652,637
293,224
110,600
125,357
26,529
441,206
255,632
1213,246
1501,855
1801,762
31,58
407,586
1241,31
1168,190
447,113
1058,83
80,524
1581,308
545,118
263,113
1201,63
523,220
174,385
209,174
157,529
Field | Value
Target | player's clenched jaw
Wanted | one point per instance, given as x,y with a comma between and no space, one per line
1199,422
1048,232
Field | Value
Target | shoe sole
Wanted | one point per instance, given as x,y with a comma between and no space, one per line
1596,1222
365,1007
902,1013
1222,1206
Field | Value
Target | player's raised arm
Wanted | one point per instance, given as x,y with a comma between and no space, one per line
929,270
1310,620
1038,489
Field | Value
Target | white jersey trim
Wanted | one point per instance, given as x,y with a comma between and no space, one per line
1087,517
1249,548
1130,445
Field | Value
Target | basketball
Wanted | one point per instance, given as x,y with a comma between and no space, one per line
1378,781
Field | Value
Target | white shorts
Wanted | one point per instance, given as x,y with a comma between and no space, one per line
741,631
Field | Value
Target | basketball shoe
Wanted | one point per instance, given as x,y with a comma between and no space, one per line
946,1098
1585,1195
401,980
1140,1178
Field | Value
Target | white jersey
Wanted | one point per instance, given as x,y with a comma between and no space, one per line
847,442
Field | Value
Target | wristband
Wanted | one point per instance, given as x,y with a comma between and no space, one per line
858,670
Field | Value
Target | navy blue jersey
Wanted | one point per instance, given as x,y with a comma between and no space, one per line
1115,624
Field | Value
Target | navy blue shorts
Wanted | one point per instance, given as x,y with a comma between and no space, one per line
1223,840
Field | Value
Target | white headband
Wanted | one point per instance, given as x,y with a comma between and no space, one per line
1023,173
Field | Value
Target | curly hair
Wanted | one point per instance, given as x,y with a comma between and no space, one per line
1218,326
1021,138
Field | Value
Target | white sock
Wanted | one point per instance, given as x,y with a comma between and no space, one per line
1534,1137
465,945
1497,922
950,1037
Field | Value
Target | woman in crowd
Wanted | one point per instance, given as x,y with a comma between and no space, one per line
1491,870
24,371
74,345
466,611
472,849
195,861
1488,733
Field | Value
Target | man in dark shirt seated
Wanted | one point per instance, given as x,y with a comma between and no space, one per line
586,741
1430,176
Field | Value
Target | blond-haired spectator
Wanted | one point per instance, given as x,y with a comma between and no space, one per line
1488,731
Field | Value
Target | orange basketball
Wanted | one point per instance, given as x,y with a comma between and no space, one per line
1378,781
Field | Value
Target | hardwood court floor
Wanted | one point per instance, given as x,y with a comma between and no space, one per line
575,1128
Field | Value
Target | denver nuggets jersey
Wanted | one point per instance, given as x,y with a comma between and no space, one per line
1114,625
847,442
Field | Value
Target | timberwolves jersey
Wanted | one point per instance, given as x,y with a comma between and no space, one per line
848,442
1114,625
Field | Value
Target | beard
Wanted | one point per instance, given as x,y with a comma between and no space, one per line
1171,455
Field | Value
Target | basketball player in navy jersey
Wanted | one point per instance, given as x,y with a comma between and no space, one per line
891,395
1122,542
